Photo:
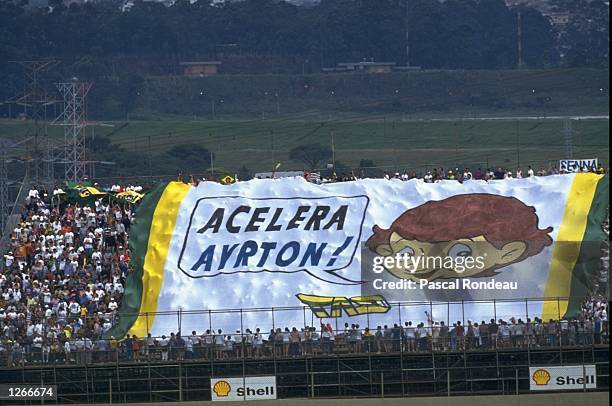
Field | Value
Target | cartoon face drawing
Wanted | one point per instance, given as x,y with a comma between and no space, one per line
497,230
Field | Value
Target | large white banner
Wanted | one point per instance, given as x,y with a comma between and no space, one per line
563,378
247,388
334,249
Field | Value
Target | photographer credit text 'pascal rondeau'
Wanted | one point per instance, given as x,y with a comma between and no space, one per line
422,267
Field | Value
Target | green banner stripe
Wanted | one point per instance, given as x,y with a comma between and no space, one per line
588,265
139,240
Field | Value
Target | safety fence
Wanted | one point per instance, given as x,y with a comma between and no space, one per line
369,313
344,326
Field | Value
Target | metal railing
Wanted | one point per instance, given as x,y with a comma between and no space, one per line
402,327
240,346
341,312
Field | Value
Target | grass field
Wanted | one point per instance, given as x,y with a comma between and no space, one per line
399,121
392,143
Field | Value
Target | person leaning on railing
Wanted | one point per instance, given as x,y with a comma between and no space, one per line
327,339
368,340
180,347
278,343
209,344
409,337
316,340
258,343
163,345
423,338
127,345
286,337
306,339
113,346
483,332
396,338
101,350
505,334
470,341
270,344
444,336
477,342
597,329
529,333
435,336
294,342
552,330
136,347
145,348
248,342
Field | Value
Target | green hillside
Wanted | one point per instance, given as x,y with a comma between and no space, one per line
391,143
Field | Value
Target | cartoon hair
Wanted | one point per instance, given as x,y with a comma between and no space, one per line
499,219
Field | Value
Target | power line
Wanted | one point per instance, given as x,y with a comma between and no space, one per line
74,120
36,98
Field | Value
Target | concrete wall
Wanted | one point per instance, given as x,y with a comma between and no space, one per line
540,399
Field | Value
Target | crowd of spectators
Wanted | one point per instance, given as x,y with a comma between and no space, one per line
63,276
429,176
461,175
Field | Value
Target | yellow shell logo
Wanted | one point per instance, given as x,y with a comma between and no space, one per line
541,377
222,388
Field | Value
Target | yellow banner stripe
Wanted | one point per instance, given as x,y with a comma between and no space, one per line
162,227
568,244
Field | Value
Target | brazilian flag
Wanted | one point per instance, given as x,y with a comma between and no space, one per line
90,191
129,196
227,180
80,193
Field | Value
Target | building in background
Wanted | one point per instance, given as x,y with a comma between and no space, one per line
202,68
363,66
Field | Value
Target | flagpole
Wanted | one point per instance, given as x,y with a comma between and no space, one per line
333,146
212,166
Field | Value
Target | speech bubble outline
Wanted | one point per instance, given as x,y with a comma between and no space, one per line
330,272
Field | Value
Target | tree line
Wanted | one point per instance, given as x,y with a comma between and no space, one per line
454,34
